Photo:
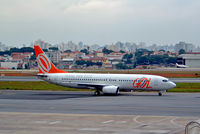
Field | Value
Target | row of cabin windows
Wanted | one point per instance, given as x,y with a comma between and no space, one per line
95,79
87,79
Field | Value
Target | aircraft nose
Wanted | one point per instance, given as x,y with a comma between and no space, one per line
172,84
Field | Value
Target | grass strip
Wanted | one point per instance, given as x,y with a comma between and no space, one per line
33,85
186,87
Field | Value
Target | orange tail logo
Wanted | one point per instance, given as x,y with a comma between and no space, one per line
44,64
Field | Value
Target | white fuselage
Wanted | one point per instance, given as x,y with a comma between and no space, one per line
122,81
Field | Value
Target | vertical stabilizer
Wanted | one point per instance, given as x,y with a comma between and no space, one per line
44,64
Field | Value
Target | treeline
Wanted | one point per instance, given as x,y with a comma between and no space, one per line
12,50
141,59
87,63
145,57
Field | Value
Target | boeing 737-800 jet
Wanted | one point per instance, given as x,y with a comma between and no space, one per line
101,83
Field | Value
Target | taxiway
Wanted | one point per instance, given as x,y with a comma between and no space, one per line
135,103
53,112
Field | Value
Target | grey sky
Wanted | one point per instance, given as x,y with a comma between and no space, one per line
99,21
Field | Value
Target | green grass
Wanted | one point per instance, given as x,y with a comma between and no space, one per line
21,85
41,85
186,87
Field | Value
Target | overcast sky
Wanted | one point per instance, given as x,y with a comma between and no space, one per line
99,21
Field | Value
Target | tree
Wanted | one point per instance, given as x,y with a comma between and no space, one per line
128,58
27,66
14,49
80,62
121,51
143,60
53,48
27,49
161,50
121,66
140,52
106,51
33,57
99,63
171,60
181,51
85,51
45,50
68,51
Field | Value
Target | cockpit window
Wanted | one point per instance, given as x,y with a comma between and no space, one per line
165,80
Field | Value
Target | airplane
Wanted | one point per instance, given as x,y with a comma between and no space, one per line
101,83
181,66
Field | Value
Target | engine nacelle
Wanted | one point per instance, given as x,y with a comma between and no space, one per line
110,90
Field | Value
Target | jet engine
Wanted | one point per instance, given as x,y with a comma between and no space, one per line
110,90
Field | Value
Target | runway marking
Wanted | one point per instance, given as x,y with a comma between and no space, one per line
176,124
90,129
157,121
109,121
121,122
138,122
141,124
177,131
54,122
41,122
151,131
47,122
182,127
198,120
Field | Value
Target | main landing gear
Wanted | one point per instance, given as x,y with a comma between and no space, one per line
97,93
159,93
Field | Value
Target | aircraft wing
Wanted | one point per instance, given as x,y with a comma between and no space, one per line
92,85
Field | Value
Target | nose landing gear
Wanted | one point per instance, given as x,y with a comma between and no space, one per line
160,93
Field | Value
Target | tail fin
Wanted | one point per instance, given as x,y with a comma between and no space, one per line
44,64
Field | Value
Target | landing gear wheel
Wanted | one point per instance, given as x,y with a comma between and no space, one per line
97,93
160,94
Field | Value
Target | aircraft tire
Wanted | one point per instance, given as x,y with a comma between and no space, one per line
97,93
160,94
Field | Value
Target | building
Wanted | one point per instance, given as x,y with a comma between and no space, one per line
67,63
3,47
191,59
55,56
11,65
188,47
42,44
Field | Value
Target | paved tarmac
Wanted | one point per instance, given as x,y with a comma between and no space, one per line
48,123
71,102
52,112
33,78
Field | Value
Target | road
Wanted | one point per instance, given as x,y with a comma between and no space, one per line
33,78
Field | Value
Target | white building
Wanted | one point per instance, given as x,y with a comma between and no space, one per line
55,56
42,44
11,65
192,60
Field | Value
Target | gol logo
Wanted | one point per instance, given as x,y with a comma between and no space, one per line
142,83
44,63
